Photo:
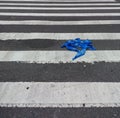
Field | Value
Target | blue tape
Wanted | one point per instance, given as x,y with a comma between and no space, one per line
79,46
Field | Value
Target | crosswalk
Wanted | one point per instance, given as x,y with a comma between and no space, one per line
36,74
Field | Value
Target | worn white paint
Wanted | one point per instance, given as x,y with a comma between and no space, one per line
59,94
59,8
60,14
36,22
68,4
59,56
59,36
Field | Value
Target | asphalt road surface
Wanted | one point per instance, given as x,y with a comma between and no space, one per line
38,78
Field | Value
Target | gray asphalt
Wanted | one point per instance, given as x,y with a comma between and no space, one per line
59,11
57,18
60,112
78,72
51,2
109,28
52,44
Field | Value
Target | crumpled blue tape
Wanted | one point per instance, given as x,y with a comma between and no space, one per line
79,46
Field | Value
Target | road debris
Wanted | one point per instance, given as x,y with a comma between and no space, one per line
79,46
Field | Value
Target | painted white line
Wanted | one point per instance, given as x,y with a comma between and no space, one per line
59,94
36,22
59,56
59,36
58,8
68,4
60,14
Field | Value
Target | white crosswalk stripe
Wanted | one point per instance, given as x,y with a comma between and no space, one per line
58,56
48,24
60,95
58,8
95,4
62,14
59,36
33,22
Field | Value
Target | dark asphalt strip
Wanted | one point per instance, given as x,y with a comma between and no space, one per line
52,2
68,72
109,28
117,1
59,6
59,18
60,112
61,11
52,44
